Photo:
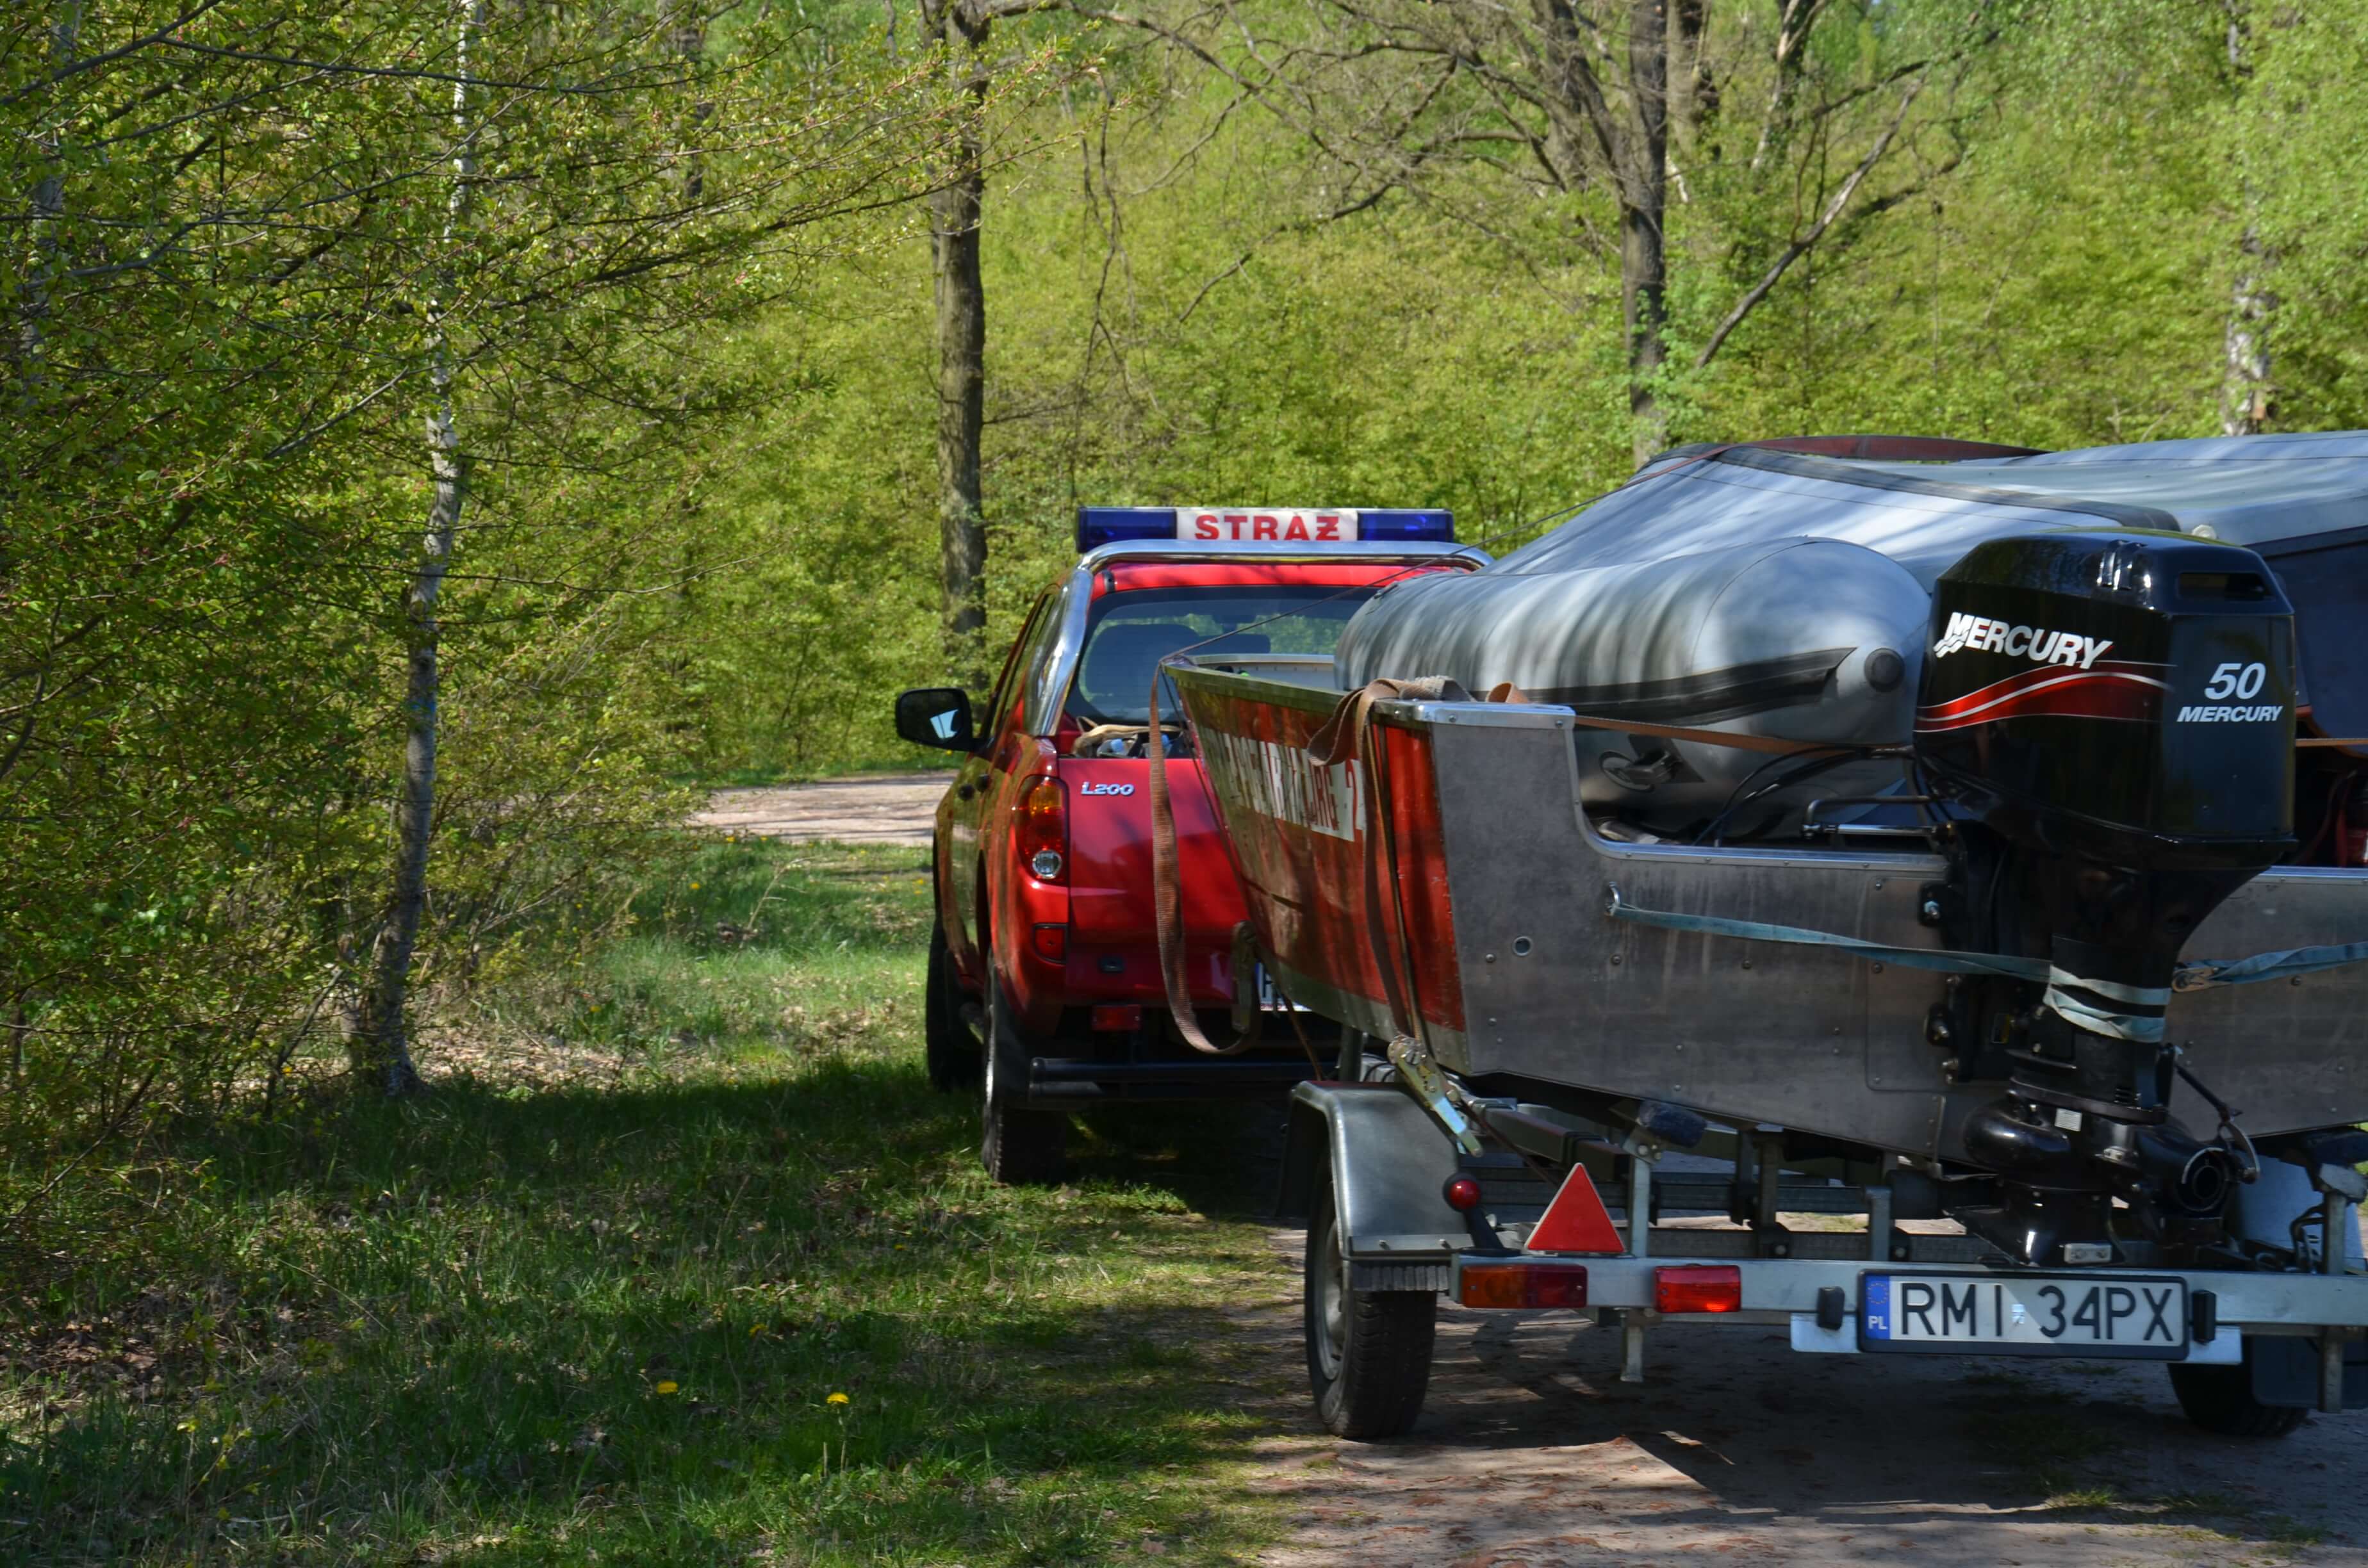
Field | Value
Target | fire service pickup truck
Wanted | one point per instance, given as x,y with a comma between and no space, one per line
1044,985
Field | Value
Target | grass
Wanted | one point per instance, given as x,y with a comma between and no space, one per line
598,1298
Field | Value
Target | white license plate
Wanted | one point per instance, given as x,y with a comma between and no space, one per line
2135,1315
1271,999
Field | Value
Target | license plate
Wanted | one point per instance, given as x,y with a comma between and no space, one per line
2132,1316
1271,999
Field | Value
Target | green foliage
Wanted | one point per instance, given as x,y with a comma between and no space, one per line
597,1294
1168,324
234,232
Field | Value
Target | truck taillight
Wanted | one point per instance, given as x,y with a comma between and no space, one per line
1529,1285
1698,1288
1043,838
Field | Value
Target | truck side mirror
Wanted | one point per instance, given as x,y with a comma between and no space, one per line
935,716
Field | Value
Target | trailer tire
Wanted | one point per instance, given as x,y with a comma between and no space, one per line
1368,1351
2220,1399
956,1058
1021,1145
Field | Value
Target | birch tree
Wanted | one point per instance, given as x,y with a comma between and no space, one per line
380,1047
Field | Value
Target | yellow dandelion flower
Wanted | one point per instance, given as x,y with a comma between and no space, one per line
669,1387
835,1398
694,887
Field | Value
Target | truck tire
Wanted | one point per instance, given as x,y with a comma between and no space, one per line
955,1058
1368,1351
1021,1145
2220,1399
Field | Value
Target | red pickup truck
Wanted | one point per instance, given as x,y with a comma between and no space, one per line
1045,983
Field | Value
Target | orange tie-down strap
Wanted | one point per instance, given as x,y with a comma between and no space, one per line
1168,922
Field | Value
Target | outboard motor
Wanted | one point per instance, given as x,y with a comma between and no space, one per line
2114,713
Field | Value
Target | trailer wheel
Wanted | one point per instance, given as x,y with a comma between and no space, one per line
955,1058
1023,1145
2220,1399
1368,1351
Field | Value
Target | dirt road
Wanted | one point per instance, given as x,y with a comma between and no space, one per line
1531,1452
871,808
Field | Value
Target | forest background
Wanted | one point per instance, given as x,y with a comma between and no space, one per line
439,435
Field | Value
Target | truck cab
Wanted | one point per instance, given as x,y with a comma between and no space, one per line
1044,986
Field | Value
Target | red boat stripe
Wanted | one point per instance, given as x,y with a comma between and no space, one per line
2108,698
2045,674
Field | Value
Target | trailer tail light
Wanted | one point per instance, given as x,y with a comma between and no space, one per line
1117,1019
1043,838
1698,1288
1463,1194
1522,1285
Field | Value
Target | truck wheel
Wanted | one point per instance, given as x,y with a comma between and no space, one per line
1023,1145
955,1059
1368,1351
2220,1399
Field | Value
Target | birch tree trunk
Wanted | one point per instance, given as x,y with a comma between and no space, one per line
2244,387
2246,390
961,358
1643,204
380,1051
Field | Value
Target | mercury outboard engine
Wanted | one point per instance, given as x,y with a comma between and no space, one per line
2114,715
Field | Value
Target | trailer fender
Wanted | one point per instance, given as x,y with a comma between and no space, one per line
1390,1164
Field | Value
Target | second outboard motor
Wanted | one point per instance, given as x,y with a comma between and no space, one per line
2115,715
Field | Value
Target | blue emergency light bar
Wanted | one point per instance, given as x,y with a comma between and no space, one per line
1099,526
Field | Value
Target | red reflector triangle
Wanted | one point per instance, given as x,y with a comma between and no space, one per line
1576,1221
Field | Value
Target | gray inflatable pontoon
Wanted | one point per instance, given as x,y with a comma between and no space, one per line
1783,589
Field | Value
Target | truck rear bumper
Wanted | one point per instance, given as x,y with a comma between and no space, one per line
1068,1082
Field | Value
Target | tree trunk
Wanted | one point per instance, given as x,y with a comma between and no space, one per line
1794,19
1690,21
1643,191
962,365
2244,388
687,35
48,205
380,1051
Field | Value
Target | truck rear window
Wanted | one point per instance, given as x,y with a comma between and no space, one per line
1128,633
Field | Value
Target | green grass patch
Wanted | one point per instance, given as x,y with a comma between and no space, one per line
741,1295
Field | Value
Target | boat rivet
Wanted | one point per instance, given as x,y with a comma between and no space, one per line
1615,957
1747,963
2295,981
1838,1029
1487,958
1878,884
1878,968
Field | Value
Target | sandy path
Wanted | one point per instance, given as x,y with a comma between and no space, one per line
872,808
1531,1452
